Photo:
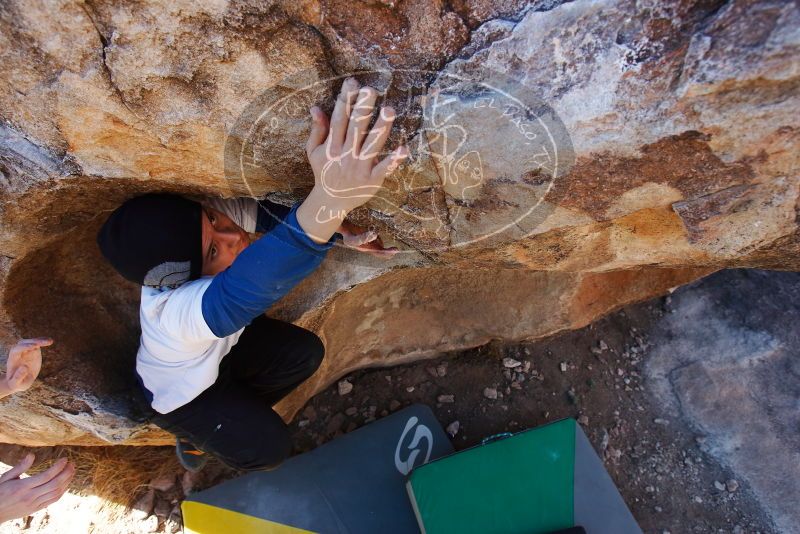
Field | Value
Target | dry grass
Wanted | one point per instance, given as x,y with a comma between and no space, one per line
107,483
118,475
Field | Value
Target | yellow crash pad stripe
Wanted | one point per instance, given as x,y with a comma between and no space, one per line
200,518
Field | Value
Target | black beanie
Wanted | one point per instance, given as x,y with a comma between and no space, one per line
154,240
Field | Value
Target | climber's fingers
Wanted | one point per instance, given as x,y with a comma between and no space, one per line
36,342
319,130
359,120
376,248
373,144
341,115
389,164
354,240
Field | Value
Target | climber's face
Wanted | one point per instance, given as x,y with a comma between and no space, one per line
222,240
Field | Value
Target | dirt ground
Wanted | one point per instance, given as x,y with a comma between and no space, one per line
594,375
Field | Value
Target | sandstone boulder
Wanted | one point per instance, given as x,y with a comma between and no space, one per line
567,159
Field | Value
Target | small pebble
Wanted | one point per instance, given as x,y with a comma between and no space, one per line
151,524
173,525
511,363
572,396
335,424
410,389
452,428
563,367
351,411
164,483
345,387
719,485
698,500
583,420
490,393
143,507
446,399
604,440
310,413
732,485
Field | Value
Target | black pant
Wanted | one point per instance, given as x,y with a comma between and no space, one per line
233,419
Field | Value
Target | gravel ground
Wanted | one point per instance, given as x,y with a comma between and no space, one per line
594,375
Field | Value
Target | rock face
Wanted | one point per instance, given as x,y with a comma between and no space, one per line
567,159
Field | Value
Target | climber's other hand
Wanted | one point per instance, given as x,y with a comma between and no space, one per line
365,240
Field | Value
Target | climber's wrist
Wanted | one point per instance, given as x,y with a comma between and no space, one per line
321,214
331,206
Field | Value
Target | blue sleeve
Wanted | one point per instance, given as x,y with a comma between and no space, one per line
269,214
263,273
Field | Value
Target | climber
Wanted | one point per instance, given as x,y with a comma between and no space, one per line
210,363
20,497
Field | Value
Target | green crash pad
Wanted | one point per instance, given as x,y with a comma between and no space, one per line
537,481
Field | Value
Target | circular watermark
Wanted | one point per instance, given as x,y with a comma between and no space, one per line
483,154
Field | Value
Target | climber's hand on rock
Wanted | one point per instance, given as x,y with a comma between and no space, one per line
344,156
24,364
20,497
364,240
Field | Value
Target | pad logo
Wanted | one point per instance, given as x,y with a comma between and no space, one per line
421,432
